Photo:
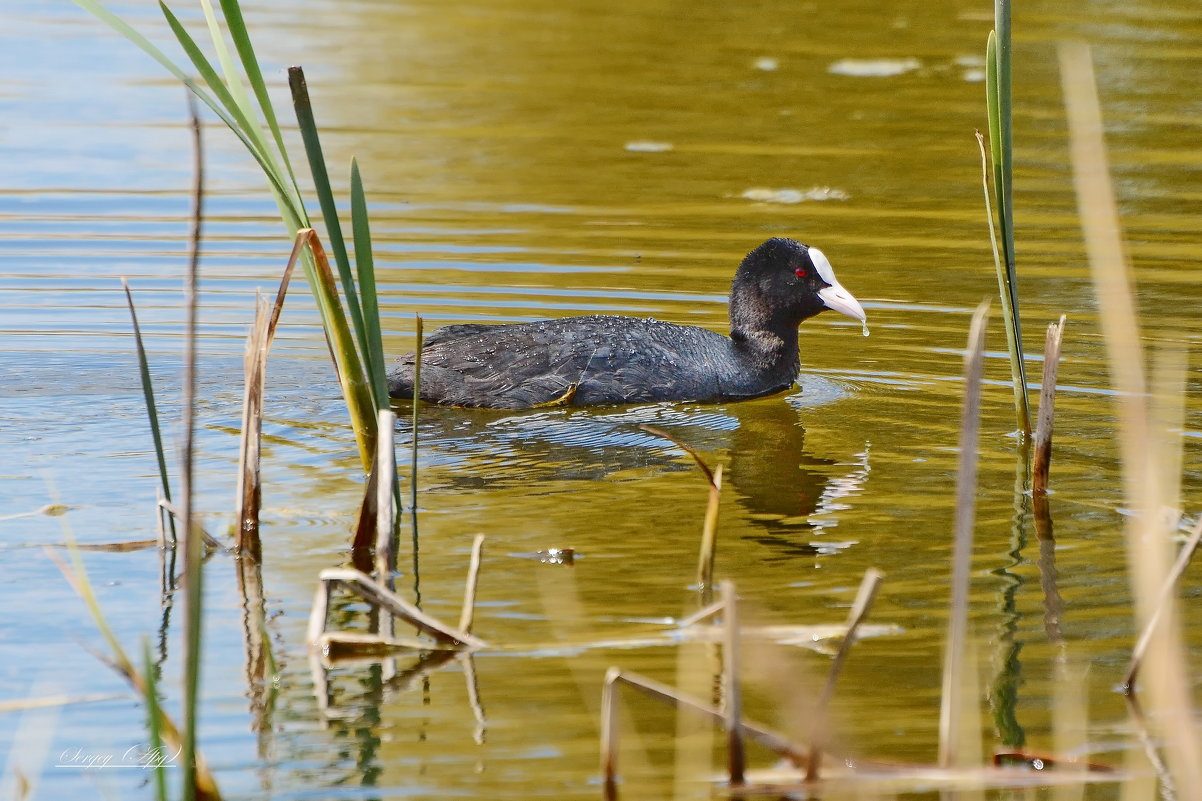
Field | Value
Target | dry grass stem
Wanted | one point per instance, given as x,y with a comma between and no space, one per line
1167,593
709,535
467,614
701,465
966,491
865,596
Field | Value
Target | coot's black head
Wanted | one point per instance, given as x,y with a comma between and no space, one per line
783,282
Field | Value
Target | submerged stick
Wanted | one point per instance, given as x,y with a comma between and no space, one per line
966,491
859,611
1047,408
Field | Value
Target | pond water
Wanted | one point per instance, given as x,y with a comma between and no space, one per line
524,159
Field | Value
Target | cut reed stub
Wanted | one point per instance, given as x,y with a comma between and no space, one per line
1047,408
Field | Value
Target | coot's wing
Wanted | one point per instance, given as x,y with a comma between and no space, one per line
576,361
505,366
449,332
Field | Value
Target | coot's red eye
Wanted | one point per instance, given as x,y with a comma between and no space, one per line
800,272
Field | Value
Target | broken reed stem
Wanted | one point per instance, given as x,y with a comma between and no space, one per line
1047,408
467,614
193,552
385,475
966,491
385,510
859,611
1166,597
731,694
258,344
249,490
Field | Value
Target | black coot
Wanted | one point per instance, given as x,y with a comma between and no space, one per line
582,361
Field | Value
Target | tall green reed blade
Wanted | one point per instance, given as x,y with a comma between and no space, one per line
151,408
325,197
228,100
254,75
998,105
366,273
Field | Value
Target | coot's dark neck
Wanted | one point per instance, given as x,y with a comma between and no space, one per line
765,335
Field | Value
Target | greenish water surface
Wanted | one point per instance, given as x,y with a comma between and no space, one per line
525,159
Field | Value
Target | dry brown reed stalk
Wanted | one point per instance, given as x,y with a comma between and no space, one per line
859,611
258,344
1047,408
950,712
249,491
709,529
467,614
1146,485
